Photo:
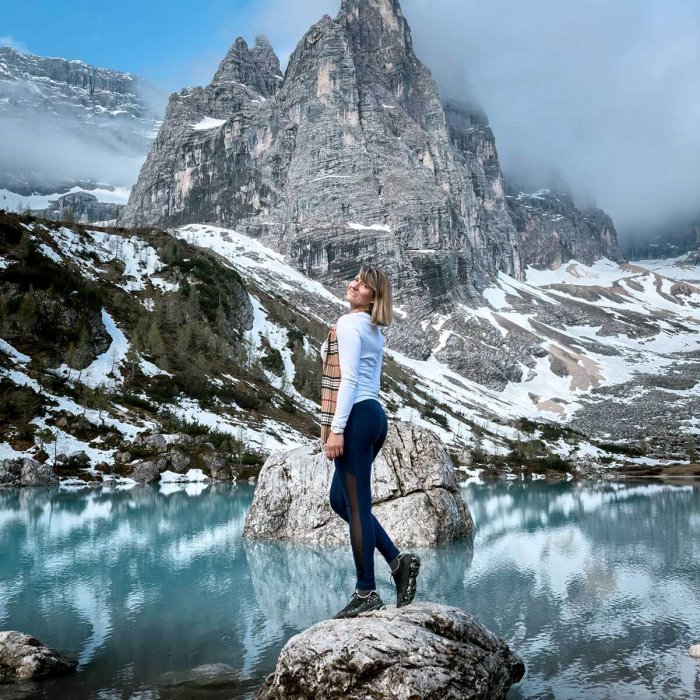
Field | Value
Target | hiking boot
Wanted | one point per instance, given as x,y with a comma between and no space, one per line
359,605
405,578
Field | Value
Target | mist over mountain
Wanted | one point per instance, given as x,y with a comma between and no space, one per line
65,122
600,99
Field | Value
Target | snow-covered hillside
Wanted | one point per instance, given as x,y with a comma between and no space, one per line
577,361
584,372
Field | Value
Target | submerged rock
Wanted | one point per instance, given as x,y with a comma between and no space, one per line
23,657
206,676
415,493
694,651
423,650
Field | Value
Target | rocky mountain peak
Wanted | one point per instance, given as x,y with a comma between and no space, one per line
257,68
375,25
354,159
61,102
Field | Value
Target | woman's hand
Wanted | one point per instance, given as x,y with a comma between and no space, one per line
334,445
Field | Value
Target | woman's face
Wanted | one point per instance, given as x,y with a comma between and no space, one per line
359,294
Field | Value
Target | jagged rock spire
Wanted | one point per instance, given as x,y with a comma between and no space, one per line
375,24
257,68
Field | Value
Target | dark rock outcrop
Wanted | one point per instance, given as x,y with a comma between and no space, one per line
22,657
424,650
552,230
26,472
415,493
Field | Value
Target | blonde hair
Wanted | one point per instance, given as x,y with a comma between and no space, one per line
382,308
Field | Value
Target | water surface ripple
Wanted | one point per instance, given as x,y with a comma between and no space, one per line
594,585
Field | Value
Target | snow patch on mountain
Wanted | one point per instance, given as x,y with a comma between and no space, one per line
208,123
105,369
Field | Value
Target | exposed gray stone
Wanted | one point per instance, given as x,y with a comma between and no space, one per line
156,442
423,650
218,466
10,472
146,473
23,657
552,230
415,493
179,462
37,474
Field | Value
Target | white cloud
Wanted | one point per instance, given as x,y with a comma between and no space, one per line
10,41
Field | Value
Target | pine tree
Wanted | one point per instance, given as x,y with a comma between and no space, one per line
28,312
154,341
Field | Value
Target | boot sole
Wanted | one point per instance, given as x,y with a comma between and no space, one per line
410,593
349,617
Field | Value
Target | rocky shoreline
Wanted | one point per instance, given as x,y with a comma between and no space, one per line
146,460
176,465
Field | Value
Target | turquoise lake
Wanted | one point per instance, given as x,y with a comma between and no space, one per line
595,585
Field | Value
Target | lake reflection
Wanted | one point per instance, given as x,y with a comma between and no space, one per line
594,585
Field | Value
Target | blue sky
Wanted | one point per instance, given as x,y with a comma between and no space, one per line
171,43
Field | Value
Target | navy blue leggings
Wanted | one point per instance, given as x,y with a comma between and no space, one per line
351,496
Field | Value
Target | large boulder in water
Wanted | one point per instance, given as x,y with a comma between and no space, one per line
415,494
22,657
423,650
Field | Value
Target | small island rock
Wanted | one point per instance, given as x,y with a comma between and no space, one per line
415,494
423,650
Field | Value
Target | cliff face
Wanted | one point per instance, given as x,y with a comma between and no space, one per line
351,159
552,230
73,107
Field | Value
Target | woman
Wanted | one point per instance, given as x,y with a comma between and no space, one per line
354,428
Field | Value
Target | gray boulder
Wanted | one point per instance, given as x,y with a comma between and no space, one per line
156,442
415,493
23,657
423,650
218,466
179,461
37,474
10,472
146,473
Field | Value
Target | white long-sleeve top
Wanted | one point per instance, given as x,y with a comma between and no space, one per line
360,352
